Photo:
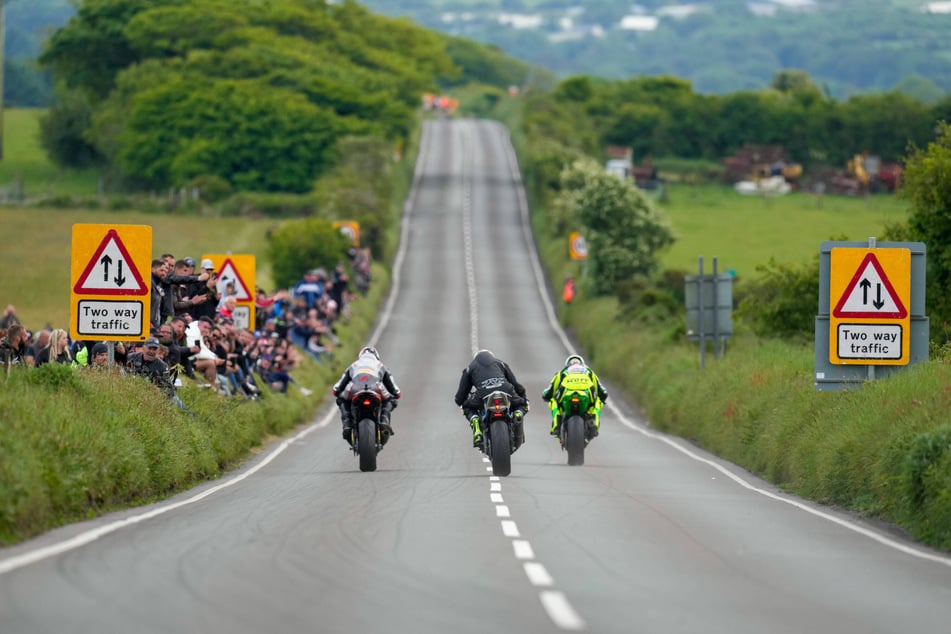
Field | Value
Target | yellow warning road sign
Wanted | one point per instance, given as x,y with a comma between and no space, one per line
110,282
870,291
237,271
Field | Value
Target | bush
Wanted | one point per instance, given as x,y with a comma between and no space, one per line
302,245
782,302
212,188
270,205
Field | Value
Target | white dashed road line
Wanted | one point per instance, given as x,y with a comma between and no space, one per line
537,574
560,611
523,550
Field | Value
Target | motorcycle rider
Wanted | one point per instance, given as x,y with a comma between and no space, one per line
485,374
368,363
552,395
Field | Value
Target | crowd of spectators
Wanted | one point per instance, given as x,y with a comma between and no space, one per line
193,335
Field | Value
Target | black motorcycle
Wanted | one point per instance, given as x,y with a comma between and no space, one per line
498,431
368,435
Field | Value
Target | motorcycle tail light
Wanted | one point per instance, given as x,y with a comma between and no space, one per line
574,399
366,401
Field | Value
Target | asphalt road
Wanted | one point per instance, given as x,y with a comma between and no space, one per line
650,535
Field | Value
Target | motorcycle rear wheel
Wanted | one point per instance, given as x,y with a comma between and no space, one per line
574,440
500,446
366,444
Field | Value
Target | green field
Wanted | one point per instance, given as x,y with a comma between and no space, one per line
35,249
744,231
24,158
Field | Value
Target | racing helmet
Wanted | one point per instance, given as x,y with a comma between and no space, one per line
574,359
370,350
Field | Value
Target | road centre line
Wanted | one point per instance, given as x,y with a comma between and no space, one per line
502,511
560,611
510,529
537,574
523,549
496,498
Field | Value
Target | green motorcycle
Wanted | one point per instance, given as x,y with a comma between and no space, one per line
574,400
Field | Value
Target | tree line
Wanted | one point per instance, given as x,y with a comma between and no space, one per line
665,117
568,128
162,92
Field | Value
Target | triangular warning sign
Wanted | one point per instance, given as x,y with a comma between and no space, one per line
111,271
229,273
870,294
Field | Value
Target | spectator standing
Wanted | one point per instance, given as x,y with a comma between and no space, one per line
158,291
99,356
57,350
340,283
187,289
40,341
263,308
208,306
311,287
9,318
176,273
146,363
13,346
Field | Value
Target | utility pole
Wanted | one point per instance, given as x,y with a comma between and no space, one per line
3,44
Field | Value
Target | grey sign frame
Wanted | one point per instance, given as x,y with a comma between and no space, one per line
709,303
834,377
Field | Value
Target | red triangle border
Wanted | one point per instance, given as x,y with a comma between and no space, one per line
80,288
901,313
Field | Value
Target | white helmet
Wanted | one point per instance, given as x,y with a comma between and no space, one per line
370,350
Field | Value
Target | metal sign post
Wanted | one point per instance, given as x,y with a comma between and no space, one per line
709,301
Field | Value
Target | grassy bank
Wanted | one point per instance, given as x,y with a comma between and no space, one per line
78,442
75,443
883,450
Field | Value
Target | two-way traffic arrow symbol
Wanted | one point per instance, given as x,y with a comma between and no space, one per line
879,302
119,279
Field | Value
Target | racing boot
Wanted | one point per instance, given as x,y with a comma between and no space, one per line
519,415
385,425
592,425
476,432
555,425
347,422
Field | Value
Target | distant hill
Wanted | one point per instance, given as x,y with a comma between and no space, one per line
28,22
847,46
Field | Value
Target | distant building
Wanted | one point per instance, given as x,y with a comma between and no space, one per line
639,22
681,11
521,21
936,7
772,7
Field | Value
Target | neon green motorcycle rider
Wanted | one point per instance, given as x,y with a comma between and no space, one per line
575,376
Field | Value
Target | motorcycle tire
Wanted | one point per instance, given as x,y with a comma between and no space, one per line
500,440
366,444
574,440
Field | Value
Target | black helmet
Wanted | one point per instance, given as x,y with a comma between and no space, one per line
370,350
574,358
484,357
